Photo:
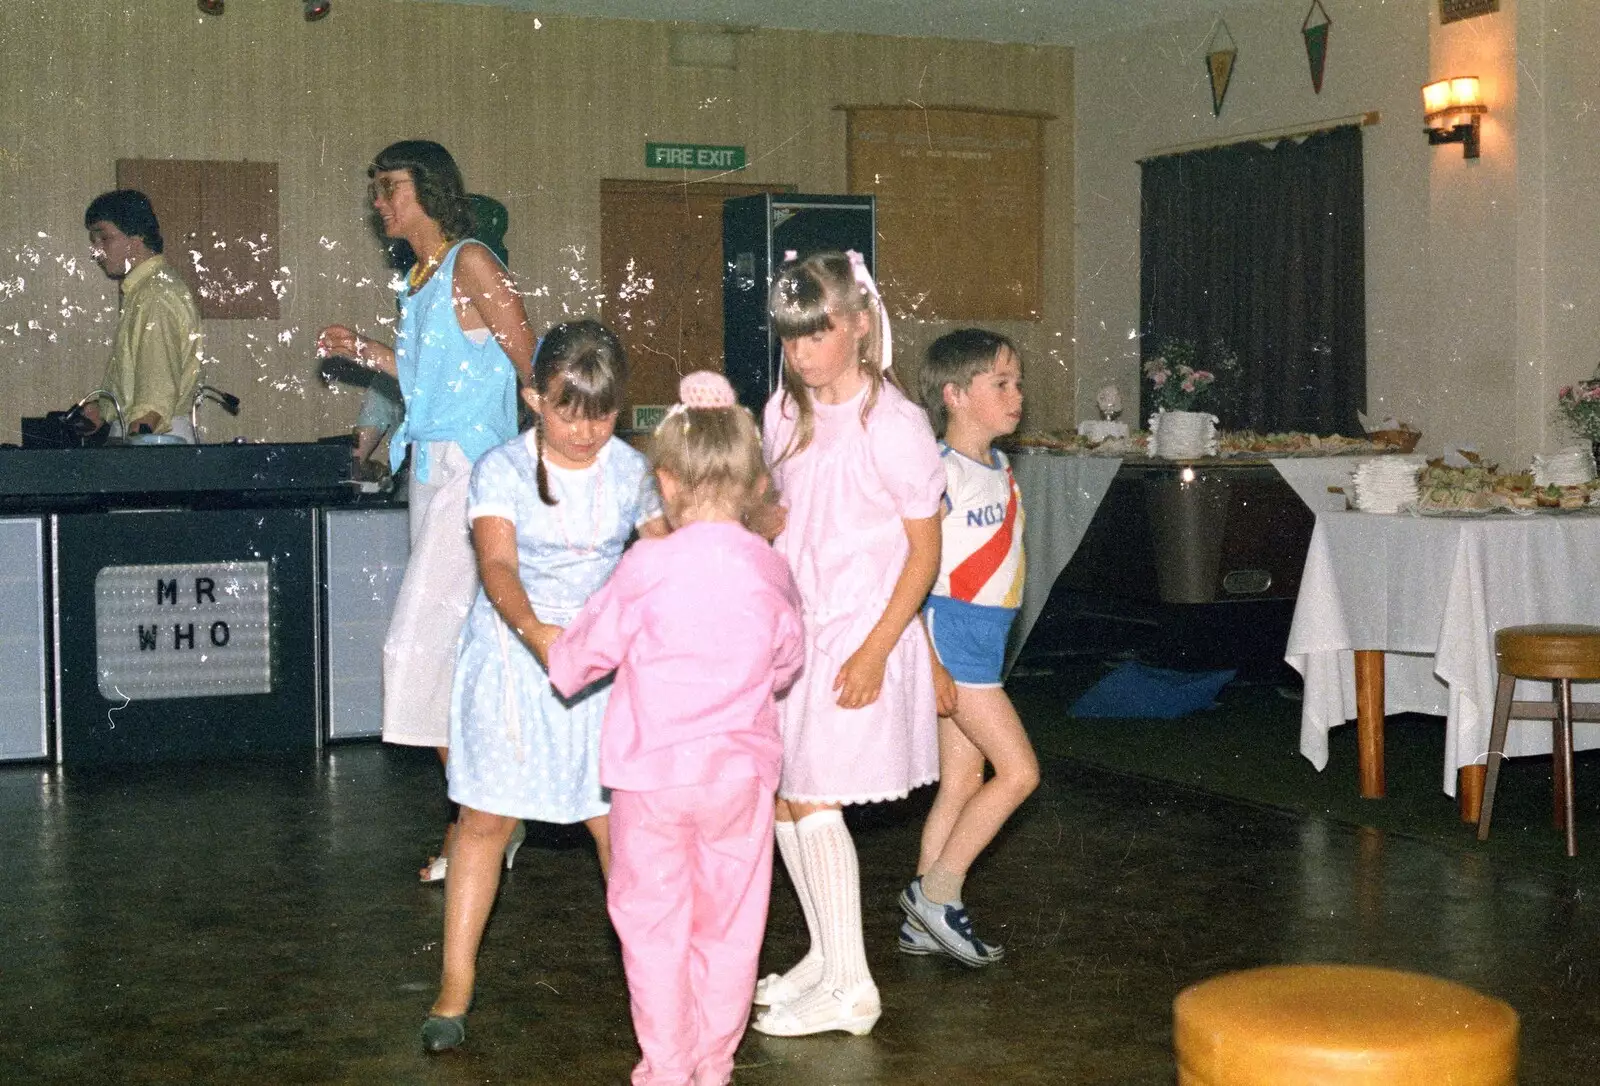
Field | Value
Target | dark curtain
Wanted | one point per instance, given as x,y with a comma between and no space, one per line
1260,250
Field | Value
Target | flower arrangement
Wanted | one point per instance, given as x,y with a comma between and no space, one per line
1579,406
1178,382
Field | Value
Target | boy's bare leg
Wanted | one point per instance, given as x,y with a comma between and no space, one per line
985,727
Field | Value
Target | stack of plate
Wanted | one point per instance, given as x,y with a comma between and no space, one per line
1097,430
1572,466
1387,484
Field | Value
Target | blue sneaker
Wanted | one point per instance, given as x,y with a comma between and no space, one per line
949,926
915,940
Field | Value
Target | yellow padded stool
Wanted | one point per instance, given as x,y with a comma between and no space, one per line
1341,1025
1562,655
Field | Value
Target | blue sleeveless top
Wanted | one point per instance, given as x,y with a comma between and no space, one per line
455,389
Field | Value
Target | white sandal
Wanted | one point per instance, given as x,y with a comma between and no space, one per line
439,866
774,989
855,1011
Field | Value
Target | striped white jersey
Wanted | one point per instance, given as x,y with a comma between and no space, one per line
982,560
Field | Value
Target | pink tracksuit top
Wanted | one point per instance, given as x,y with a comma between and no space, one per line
703,627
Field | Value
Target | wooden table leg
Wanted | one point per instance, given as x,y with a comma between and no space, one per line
1469,791
1369,721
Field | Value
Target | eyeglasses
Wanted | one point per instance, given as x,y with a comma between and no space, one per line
385,186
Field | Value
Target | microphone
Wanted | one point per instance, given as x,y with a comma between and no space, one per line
76,410
229,402
202,393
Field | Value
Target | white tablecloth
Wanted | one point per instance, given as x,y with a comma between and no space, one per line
1059,497
1430,592
1311,476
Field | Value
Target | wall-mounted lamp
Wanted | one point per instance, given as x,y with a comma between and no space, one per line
1450,109
317,9
210,7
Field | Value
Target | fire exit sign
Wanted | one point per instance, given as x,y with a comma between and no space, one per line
692,156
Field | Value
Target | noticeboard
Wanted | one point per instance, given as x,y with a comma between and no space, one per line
960,208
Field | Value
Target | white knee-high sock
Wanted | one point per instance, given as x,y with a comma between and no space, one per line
809,969
833,875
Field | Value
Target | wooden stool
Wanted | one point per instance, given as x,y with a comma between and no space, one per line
1560,654
1341,1025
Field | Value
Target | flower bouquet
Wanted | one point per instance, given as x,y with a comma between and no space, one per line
1178,382
1178,385
1579,406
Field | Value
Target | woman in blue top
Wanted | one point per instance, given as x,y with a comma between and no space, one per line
461,347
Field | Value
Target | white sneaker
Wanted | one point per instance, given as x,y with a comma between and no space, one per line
855,1011
915,940
949,926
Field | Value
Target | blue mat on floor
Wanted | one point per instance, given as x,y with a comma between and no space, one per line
1151,693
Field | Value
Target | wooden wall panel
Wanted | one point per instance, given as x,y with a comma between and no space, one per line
536,110
960,206
220,224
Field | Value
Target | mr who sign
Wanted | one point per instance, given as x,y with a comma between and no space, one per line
188,630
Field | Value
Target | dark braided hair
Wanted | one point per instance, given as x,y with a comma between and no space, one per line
589,359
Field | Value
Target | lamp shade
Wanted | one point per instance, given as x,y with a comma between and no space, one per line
1446,96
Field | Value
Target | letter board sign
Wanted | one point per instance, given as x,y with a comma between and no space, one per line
190,630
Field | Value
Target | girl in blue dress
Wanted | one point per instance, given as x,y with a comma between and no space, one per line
551,511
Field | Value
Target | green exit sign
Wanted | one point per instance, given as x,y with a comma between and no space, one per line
692,156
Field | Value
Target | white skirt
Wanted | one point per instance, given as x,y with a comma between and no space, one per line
441,581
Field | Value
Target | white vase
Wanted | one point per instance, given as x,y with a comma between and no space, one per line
1183,435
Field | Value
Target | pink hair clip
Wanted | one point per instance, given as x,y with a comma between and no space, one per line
706,388
858,267
790,255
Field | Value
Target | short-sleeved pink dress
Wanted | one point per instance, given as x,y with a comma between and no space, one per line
847,494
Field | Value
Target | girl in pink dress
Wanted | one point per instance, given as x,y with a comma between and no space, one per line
857,466
702,627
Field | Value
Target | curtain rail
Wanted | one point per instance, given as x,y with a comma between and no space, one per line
1362,119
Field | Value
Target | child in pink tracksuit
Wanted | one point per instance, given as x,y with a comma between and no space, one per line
702,627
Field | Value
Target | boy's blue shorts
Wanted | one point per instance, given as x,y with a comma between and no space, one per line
969,638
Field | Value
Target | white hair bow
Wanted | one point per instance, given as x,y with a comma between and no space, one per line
858,267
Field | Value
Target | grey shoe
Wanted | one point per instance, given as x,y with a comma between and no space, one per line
949,926
915,940
440,1033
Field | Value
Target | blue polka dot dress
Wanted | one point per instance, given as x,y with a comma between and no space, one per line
518,748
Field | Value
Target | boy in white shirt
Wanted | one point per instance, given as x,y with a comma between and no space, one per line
971,388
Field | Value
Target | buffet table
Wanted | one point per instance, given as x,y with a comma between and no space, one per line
1062,492
1398,614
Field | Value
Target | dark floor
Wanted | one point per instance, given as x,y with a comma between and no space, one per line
261,923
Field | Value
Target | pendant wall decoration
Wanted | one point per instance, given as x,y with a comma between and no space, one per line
1221,52
1316,34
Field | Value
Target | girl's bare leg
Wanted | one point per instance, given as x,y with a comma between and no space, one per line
600,828
477,852
449,831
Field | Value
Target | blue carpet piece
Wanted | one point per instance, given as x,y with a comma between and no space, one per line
1151,693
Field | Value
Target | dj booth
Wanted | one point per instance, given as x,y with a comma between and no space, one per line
178,602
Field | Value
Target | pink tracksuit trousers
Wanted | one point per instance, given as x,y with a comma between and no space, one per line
691,872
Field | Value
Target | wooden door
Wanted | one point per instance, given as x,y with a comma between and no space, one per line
661,268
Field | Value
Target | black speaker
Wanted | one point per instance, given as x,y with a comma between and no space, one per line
757,232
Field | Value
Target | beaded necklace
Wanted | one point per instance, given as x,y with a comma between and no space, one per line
421,273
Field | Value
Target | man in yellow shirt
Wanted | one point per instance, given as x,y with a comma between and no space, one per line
155,357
